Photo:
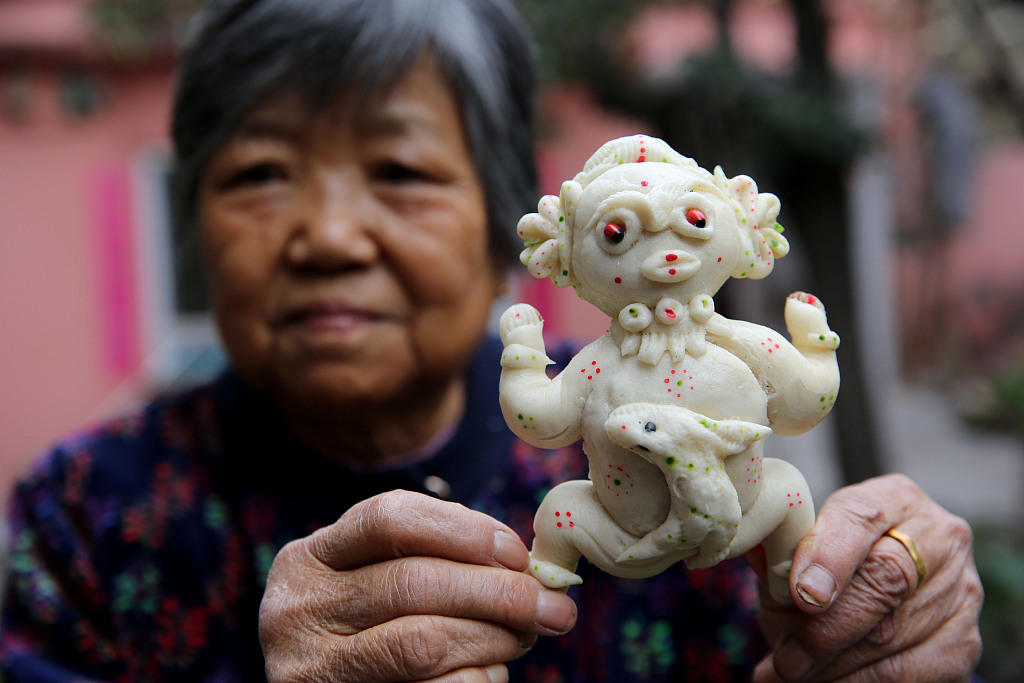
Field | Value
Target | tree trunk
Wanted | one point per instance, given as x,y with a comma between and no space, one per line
820,209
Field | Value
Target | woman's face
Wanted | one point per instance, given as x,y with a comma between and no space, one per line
348,250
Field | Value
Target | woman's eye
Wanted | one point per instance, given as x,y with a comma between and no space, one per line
614,233
398,173
696,218
257,174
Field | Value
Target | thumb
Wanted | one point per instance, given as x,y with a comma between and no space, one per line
849,524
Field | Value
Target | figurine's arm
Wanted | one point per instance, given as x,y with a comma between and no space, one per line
800,379
543,411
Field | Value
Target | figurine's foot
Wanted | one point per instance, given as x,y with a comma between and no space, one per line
647,548
552,575
778,582
707,558
807,324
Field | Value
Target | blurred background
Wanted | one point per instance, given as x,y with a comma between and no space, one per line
892,131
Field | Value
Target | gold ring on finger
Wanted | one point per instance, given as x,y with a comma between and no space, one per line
915,554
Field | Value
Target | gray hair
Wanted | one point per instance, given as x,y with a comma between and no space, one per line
242,51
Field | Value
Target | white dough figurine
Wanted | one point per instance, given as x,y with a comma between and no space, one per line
673,403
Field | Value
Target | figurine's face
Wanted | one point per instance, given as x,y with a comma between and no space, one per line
650,230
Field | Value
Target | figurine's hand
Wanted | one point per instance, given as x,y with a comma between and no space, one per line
807,324
859,615
522,324
405,587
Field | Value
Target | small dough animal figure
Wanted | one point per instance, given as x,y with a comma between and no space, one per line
674,402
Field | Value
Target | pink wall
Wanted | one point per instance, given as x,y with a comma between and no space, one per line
69,332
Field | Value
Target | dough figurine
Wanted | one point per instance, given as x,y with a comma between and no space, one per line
674,402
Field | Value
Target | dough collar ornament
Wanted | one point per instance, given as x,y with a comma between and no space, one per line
674,402
672,327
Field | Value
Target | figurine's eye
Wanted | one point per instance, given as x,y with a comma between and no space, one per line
614,233
696,218
617,230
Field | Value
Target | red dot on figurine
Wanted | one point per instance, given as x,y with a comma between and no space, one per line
671,257
618,280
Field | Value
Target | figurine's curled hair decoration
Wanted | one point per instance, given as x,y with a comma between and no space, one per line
756,214
547,235
631,149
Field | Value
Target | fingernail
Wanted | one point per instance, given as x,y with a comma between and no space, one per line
555,611
816,586
792,662
509,551
527,640
497,673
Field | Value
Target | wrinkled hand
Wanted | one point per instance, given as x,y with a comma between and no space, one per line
405,587
859,615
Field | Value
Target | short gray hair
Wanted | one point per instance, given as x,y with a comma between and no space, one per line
242,51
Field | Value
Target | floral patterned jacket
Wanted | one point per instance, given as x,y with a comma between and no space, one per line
139,550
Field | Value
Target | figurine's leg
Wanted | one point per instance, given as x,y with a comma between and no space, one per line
557,527
780,517
571,522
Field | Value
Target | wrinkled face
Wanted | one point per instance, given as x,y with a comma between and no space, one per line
348,249
650,230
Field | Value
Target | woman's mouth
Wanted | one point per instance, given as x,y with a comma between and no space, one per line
326,317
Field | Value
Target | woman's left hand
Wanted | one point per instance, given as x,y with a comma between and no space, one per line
859,614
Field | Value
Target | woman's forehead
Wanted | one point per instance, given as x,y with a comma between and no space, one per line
419,102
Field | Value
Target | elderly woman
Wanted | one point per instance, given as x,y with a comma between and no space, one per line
355,169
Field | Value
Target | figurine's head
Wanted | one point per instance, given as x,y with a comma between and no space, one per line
641,222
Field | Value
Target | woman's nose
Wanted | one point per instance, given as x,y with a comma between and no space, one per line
334,227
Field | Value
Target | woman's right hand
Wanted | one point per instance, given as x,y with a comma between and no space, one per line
405,587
